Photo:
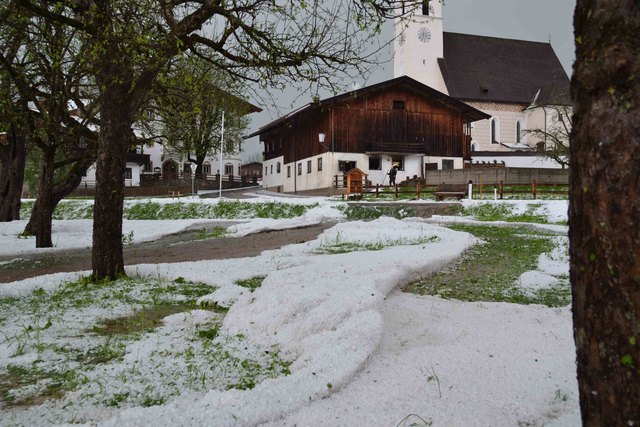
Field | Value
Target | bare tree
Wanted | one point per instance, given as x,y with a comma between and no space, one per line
13,120
262,41
552,141
45,66
605,209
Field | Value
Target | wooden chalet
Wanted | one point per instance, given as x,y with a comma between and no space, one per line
398,122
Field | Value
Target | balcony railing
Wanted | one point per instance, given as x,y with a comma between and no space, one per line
395,147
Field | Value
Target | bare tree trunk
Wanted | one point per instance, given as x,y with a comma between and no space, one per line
43,207
41,215
200,161
115,132
12,160
605,210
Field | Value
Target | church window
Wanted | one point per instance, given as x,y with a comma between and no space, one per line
518,131
495,130
473,147
278,167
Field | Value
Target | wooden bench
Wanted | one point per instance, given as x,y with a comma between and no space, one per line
175,194
459,191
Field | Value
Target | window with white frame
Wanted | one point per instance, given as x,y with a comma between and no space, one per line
228,169
398,162
375,163
319,164
288,171
278,167
308,166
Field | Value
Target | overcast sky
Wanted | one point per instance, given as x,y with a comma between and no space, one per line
535,20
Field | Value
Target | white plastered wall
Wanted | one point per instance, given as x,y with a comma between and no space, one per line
417,57
507,115
271,178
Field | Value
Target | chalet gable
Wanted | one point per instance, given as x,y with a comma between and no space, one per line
370,97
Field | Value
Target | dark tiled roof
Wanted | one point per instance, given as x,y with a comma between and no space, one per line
478,68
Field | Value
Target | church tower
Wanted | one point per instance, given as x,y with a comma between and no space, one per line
419,43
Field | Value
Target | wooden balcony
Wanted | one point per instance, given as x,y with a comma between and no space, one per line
394,147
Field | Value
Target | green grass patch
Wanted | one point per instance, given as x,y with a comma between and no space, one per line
216,233
505,212
489,271
142,320
104,344
223,209
251,283
76,209
341,246
355,212
48,385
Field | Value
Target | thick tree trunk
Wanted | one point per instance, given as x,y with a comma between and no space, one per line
107,255
605,210
200,161
12,160
41,215
43,207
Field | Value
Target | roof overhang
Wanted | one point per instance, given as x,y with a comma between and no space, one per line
469,113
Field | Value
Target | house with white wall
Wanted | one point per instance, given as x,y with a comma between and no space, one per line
158,159
399,122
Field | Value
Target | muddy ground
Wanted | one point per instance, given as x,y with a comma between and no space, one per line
180,247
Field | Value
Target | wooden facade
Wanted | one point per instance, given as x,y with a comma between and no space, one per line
400,117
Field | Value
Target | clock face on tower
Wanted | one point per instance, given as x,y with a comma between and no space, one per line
424,35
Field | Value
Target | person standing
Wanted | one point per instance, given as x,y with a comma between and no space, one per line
392,175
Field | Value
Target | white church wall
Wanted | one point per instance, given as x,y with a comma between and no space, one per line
507,115
536,119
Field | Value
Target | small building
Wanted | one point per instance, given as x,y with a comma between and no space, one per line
399,122
251,170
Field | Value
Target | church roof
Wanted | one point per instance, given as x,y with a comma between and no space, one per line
490,69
